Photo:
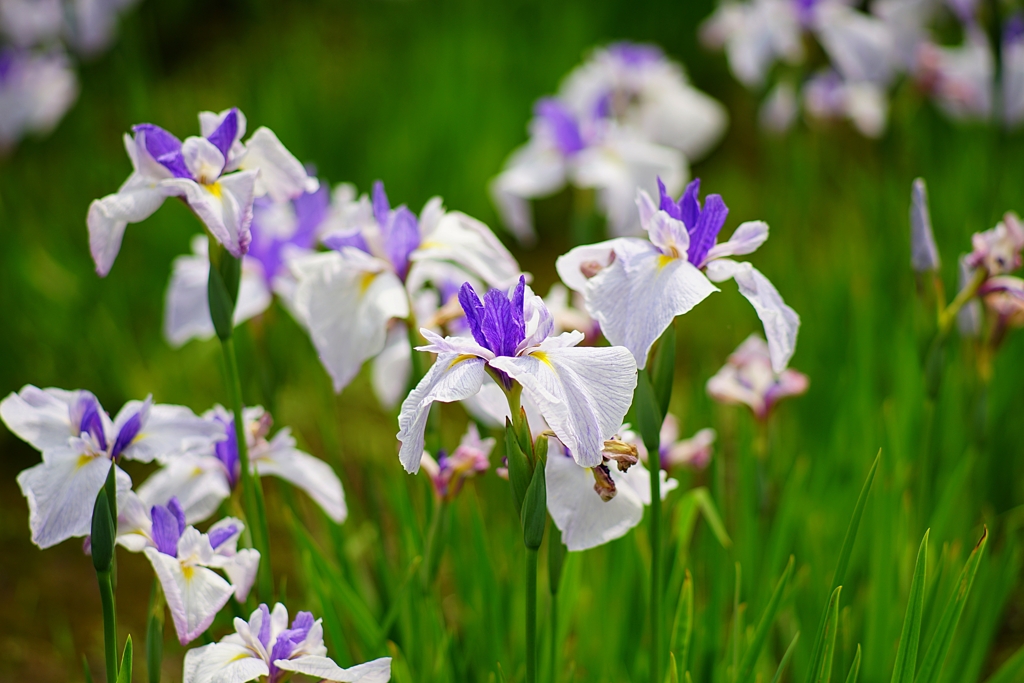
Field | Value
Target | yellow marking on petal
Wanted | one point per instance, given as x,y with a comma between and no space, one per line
459,358
365,281
664,260
188,570
214,189
430,245
543,358
238,657
83,460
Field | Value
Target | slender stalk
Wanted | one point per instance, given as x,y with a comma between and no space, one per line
554,637
109,624
252,493
155,633
948,316
531,615
656,568
432,550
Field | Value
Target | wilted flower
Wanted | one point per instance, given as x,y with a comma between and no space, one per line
1004,297
582,392
634,288
449,472
217,175
381,259
592,506
266,647
35,92
749,379
924,255
78,441
998,250
203,478
184,559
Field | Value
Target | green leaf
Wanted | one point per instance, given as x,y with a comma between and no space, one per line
556,560
124,674
943,638
785,658
855,667
102,533
647,413
1012,670
673,673
86,672
737,623
828,651
535,509
767,619
711,516
155,633
683,622
844,561
906,653
519,471
663,369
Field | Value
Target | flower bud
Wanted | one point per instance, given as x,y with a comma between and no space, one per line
924,255
102,533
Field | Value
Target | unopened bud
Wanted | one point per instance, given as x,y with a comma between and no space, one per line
604,485
924,255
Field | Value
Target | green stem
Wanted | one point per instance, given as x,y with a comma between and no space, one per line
432,551
554,637
109,624
531,615
947,316
252,493
155,633
656,591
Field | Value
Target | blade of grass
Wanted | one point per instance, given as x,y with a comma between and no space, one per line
906,653
746,670
683,623
943,639
785,658
714,520
737,625
1011,671
855,667
124,674
828,650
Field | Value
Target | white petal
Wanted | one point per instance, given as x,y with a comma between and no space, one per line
204,161
636,298
41,417
346,302
467,242
533,170
638,480
590,257
107,219
241,571
392,367
61,495
577,510
225,207
194,593
281,175
377,671
745,240
582,392
198,481
281,458
223,663
781,323
452,377
168,431
134,524
683,117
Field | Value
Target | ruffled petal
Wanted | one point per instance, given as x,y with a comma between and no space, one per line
745,240
198,481
107,219
377,671
223,663
312,475
167,431
41,417
466,242
194,593
281,175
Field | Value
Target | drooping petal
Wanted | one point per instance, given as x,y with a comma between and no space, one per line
452,377
466,242
42,417
281,175
582,392
225,207
314,476
223,662
534,170
637,297
392,367
198,481
194,593
107,219
323,668
745,240
346,300
781,323
61,494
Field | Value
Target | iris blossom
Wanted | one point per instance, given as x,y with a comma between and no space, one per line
78,441
449,472
36,89
203,478
693,453
634,288
217,175
749,379
265,647
581,392
184,559
382,259
280,231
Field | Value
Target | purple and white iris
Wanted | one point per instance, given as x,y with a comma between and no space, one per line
581,392
217,175
381,259
202,479
78,441
449,472
281,231
184,559
266,647
634,288
748,378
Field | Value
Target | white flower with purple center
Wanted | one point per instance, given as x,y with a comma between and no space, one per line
581,392
382,259
216,175
36,89
449,472
634,288
201,480
748,378
265,647
78,441
280,231
184,559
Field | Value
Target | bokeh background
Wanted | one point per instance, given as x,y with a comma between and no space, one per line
430,97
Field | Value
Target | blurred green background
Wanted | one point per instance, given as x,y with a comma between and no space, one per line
431,97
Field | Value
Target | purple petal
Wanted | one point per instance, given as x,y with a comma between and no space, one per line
264,634
91,422
401,238
562,125
168,525
667,204
302,623
689,204
381,207
219,536
163,147
636,54
310,211
129,430
351,239
227,451
224,136
710,222
474,310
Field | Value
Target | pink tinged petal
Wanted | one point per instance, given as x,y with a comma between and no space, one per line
41,417
577,510
583,393
781,323
281,175
346,303
392,367
452,377
694,452
166,431
534,170
198,481
726,387
577,266
468,243
376,671
107,219
746,240
194,593
61,494
223,663
640,294
312,475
